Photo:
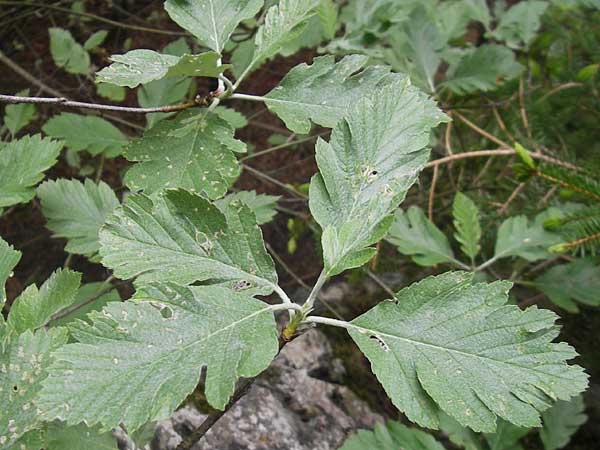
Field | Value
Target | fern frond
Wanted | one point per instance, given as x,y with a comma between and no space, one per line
579,182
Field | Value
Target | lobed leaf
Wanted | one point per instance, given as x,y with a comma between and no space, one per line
391,436
19,115
561,422
140,359
142,66
181,237
67,52
9,258
76,211
373,157
445,344
22,166
192,151
466,222
324,91
262,205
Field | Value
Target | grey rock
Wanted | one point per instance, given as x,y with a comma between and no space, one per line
297,404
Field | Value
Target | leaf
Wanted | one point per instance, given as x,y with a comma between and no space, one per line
262,205
61,437
328,15
447,344
142,66
22,166
166,91
9,258
181,237
561,422
192,151
506,437
566,284
283,23
211,21
413,234
68,53
95,40
371,160
459,435
234,118
518,237
90,297
391,436
35,307
23,362
76,211
466,222
519,25
324,91
19,115
137,363
482,69
90,133
111,91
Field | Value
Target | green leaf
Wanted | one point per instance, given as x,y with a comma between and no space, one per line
373,157
328,15
194,151
459,435
95,40
9,258
415,235
234,118
111,91
19,115
212,21
142,66
519,26
22,166
182,237
482,69
262,205
35,307
506,437
90,133
76,211
324,91
566,284
283,23
447,344
391,436
519,237
90,297
561,422
60,437
140,359
68,53
23,363
466,222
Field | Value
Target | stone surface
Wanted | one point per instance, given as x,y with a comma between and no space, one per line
296,405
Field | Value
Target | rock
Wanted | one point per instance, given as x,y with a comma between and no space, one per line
295,405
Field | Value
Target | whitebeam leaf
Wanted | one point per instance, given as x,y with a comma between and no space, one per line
142,66
76,211
194,151
561,422
139,360
22,166
323,91
182,237
9,257
447,344
262,205
211,21
374,156
466,222
391,436
519,237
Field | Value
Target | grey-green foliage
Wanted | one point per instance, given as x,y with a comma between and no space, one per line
149,352
67,52
561,422
95,40
181,237
262,205
211,21
76,211
568,284
19,115
90,297
193,151
324,91
9,257
22,166
519,25
466,222
415,235
142,66
446,344
90,133
506,437
371,160
391,436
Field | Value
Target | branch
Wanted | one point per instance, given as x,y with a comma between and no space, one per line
61,101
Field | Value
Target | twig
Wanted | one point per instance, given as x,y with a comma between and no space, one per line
562,87
18,69
272,180
432,191
510,199
61,101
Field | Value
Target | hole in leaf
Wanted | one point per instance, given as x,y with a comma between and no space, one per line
166,312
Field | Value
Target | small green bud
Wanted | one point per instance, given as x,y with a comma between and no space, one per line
558,248
552,223
524,155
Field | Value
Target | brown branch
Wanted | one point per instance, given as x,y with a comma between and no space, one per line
432,191
63,102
